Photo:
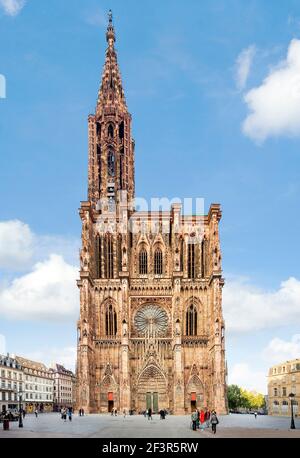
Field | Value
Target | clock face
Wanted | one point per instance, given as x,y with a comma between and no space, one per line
151,320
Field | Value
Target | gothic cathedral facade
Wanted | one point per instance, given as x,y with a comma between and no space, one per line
151,330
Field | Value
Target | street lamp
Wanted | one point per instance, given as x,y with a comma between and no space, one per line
20,410
291,398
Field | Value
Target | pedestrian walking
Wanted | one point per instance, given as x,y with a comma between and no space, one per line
214,421
70,414
150,414
194,418
198,419
255,415
124,413
207,418
36,413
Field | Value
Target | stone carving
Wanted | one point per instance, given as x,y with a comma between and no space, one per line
151,320
149,323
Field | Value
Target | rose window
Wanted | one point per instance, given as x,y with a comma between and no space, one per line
151,320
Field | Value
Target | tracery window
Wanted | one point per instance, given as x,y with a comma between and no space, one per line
111,164
110,321
191,321
143,262
151,320
98,256
181,255
121,130
203,258
109,256
191,260
158,262
110,131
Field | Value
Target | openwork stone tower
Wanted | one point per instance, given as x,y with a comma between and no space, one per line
151,331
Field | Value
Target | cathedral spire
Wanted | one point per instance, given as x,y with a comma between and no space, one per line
110,34
111,93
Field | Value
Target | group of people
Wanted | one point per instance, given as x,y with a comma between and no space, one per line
148,413
204,418
66,412
81,412
114,412
162,414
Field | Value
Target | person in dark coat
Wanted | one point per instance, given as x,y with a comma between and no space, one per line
214,421
150,414
194,418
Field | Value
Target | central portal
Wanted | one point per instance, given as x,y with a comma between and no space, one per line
152,402
152,391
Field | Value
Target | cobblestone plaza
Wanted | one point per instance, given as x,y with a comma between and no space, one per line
107,426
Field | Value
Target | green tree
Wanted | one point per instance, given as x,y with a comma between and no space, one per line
240,398
234,396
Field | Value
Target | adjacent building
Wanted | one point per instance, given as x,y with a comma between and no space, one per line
284,379
151,328
11,383
38,386
64,387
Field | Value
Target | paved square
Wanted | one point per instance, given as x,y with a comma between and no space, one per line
106,426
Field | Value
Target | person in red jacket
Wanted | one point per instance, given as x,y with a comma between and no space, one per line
202,419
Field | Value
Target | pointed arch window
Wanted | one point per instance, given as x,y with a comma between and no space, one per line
122,166
120,253
111,163
110,321
191,261
110,131
143,262
181,255
98,256
203,258
158,262
121,130
109,256
191,321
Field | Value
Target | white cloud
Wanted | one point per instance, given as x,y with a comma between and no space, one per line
242,375
243,66
16,245
247,308
49,292
65,356
274,106
279,350
12,7
20,247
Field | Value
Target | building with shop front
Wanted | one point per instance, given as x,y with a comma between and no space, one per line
284,379
11,383
64,387
38,386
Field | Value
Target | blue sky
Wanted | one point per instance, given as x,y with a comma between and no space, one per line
193,73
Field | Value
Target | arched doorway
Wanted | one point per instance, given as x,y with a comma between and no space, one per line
194,394
152,390
108,395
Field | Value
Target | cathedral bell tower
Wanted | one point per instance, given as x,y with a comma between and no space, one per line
111,148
